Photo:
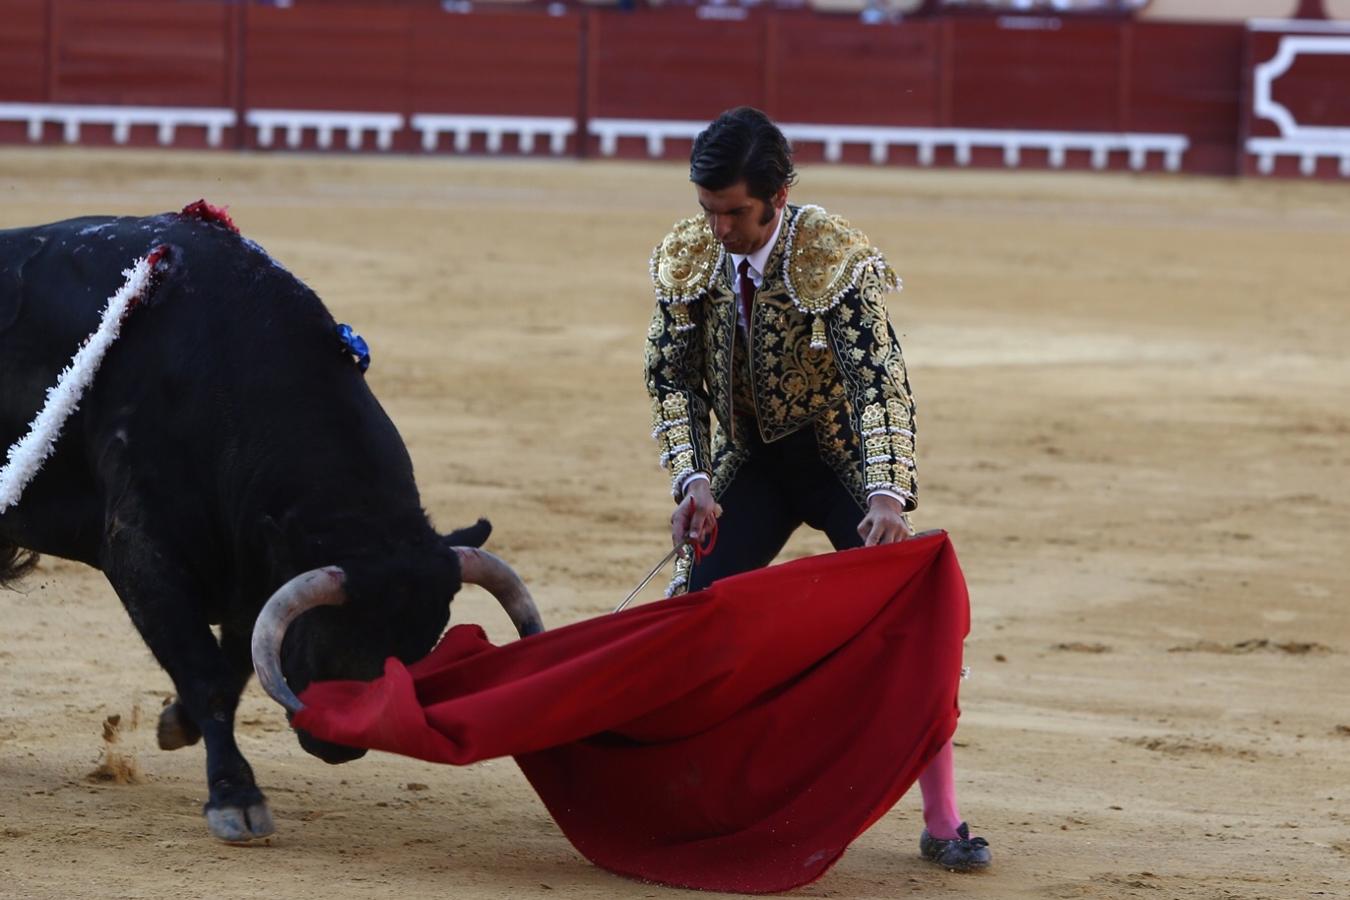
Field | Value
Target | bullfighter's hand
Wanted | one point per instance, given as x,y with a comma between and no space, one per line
693,519
885,522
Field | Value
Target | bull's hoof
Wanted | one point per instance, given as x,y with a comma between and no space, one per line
176,729
234,825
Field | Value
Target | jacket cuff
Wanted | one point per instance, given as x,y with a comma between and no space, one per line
683,487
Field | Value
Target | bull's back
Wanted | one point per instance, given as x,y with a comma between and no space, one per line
228,383
45,311
50,301
56,279
231,370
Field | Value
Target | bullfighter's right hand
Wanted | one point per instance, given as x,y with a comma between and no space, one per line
694,518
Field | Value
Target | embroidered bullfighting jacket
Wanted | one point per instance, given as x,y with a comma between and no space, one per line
821,353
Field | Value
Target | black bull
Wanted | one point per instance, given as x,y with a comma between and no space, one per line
227,444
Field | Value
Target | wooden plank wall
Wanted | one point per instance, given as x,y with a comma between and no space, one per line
1187,79
23,51
409,57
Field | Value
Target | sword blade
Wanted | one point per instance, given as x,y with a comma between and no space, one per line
674,551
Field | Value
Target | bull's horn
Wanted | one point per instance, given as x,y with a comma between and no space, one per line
501,581
317,587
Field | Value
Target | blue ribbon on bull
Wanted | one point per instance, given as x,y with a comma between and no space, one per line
356,345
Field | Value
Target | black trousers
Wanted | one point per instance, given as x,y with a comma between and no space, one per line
781,486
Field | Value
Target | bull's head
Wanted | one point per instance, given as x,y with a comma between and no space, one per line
353,642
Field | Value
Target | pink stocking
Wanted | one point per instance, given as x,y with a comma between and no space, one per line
937,782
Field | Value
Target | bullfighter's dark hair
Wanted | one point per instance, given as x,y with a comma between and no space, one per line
742,144
15,562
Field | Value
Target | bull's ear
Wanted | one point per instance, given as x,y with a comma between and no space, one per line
475,535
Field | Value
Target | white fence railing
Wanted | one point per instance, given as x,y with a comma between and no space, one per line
324,124
166,120
494,128
1137,147
290,127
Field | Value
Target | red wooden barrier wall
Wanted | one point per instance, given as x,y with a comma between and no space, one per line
1187,79
964,72
668,64
496,64
140,52
129,52
1065,78
327,57
410,57
832,71
1314,91
23,51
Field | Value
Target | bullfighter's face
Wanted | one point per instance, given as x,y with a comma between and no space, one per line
740,222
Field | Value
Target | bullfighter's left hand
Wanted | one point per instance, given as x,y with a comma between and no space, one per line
885,522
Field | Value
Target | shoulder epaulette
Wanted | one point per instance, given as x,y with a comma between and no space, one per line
686,262
825,258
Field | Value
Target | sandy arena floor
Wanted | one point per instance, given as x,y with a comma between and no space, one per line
1134,404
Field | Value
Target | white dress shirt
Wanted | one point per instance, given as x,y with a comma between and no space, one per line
758,260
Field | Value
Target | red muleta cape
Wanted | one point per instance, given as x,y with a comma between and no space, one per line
735,739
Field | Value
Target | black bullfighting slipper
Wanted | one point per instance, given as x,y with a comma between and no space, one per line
962,853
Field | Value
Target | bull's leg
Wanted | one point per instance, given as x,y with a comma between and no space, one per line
162,599
176,728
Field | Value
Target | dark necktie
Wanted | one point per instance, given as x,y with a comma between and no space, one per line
747,289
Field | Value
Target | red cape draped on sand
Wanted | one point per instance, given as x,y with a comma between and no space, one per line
735,739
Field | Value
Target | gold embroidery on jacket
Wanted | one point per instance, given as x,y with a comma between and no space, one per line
674,359
686,261
826,257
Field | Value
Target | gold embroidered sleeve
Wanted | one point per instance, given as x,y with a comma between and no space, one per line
873,367
682,266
